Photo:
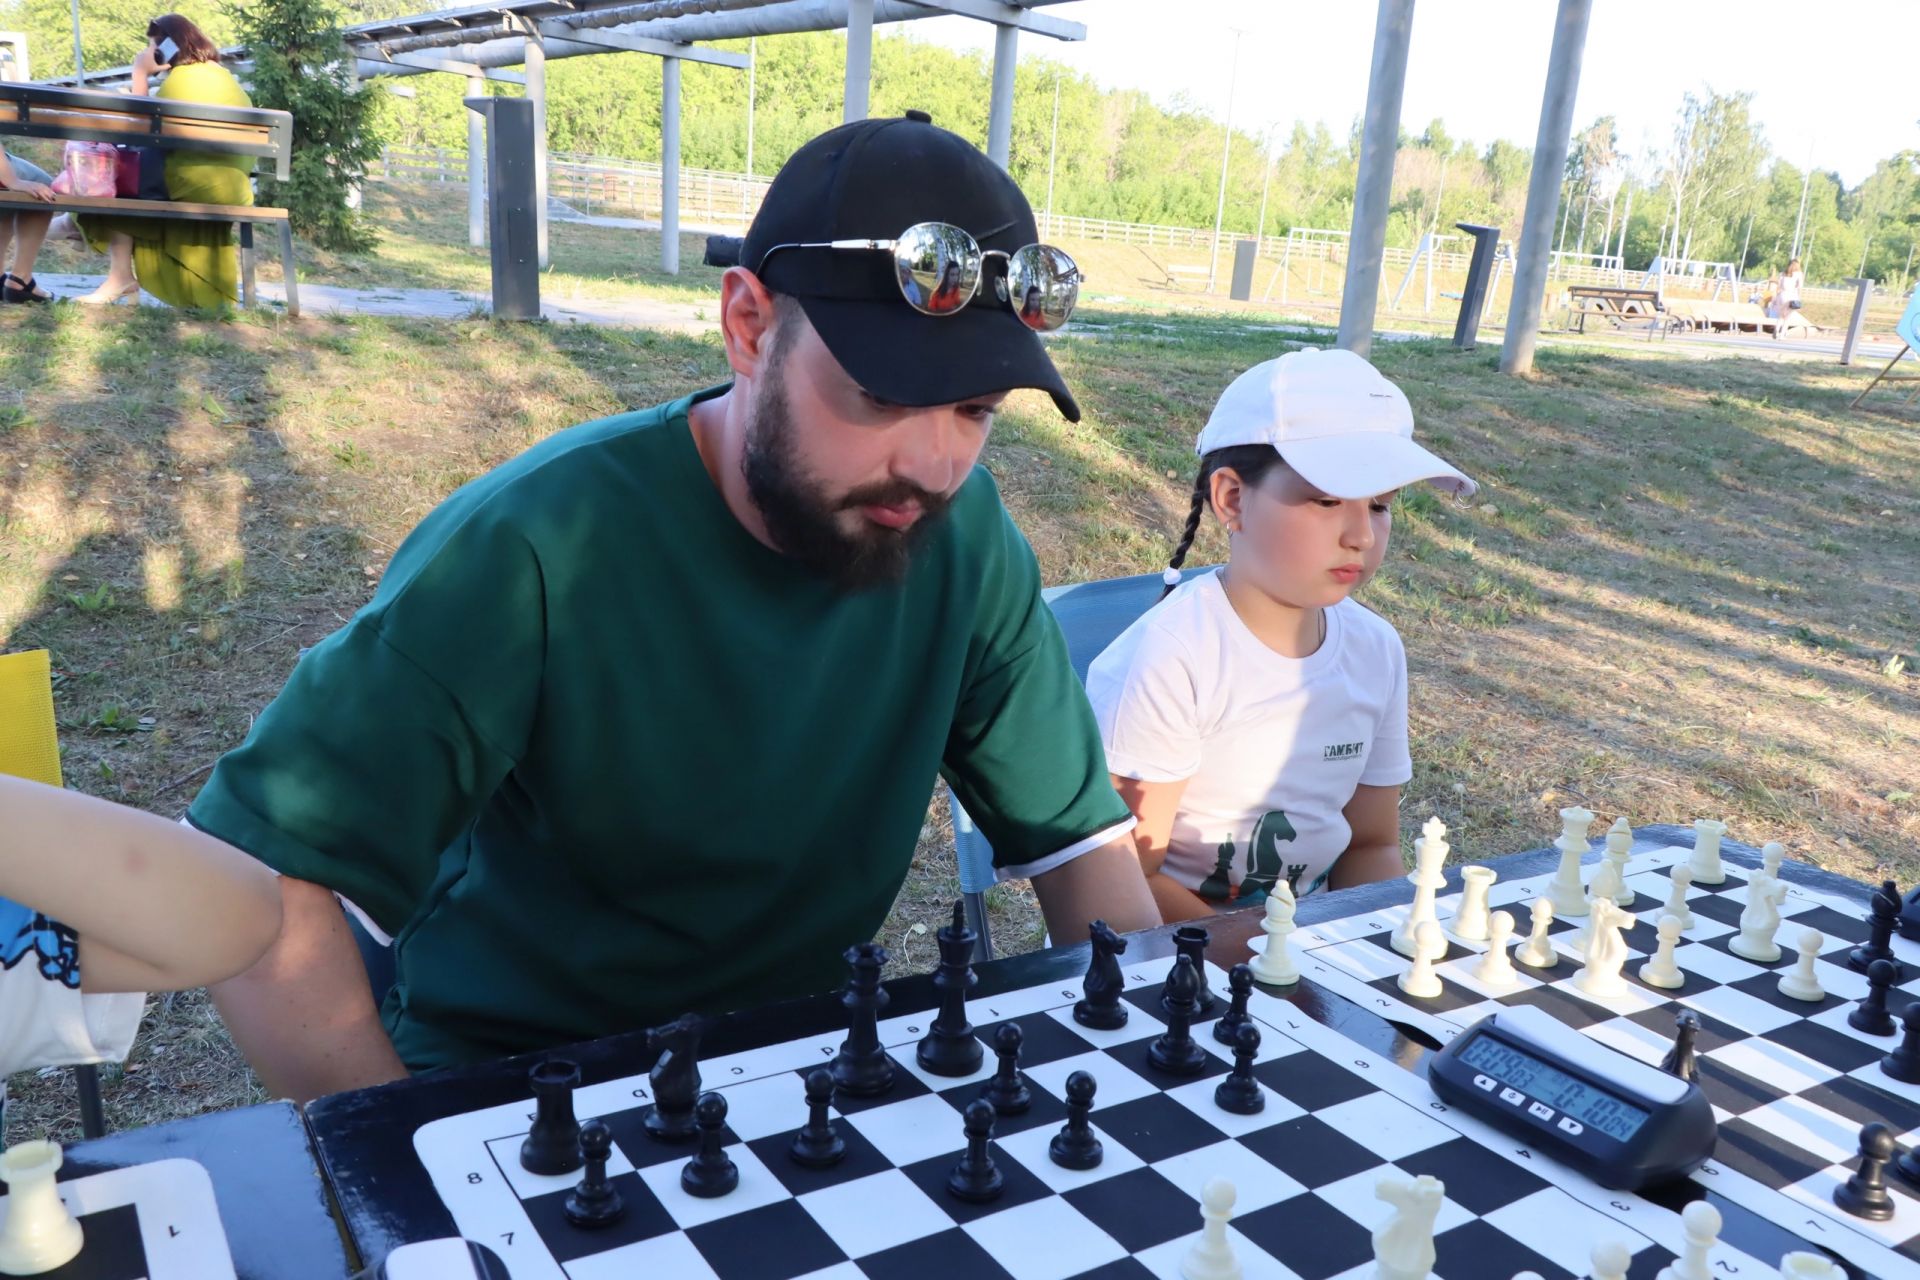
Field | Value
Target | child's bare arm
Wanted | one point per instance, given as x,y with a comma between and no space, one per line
1153,805
1373,852
158,906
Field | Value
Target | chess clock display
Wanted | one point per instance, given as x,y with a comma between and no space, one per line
1621,1122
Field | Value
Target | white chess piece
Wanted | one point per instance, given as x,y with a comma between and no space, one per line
1470,921
1403,1245
1799,982
1810,1266
1705,859
1565,891
1677,897
39,1233
1611,1260
1537,950
1420,980
1619,849
1609,880
1759,920
1275,965
1605,953
1660,970
1211,1257
1772,854
1428,874
1496,966
1701,1222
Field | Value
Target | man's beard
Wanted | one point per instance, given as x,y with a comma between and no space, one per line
805,523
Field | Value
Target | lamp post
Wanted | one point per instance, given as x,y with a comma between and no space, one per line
1220,205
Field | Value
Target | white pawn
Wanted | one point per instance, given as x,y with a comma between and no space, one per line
1810,1266
1660,970
1772,854
1759,920
1705,859
1677,897
1403,1244
1537,950
1274,966
1420,981
1496,967
1609,880
1470,921
1611,1260
1701,1222
39,1233
1565,891
1211,1257
1799,982
1619,849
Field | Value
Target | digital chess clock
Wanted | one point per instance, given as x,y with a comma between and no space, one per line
1621,1122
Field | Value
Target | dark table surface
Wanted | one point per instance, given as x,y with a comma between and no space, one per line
386,1199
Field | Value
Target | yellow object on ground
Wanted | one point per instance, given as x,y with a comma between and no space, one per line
28,748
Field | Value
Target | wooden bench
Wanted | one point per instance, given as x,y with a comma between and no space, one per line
34,111
1623,306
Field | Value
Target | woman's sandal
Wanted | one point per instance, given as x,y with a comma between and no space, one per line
14,289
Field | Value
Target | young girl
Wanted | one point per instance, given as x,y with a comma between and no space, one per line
100,903
1256,719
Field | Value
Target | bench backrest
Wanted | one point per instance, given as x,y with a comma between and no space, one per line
85,115
1613,292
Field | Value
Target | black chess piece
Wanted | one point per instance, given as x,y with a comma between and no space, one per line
1903,1064
1871,1015
1102,1009
1883,916
1176,1052
1907,1165
1240,1093
862,1068
1190,940
1007,1090
1076,1146
817,1145
675,1078
976,1179
1864,1195
596,1201
711,1172
950,1048
1910,914
1679,1060
553,1142
1240,985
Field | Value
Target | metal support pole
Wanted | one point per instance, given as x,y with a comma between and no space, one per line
1053,150
670,166
1549,162
859,59
1006,53
1373,192
535,61
1473,294
1863,292
79,64
476,166
753,61
1226,150
1620,253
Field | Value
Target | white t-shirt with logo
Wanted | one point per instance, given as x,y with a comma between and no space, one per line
1271,747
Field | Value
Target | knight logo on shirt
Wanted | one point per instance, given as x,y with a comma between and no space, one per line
1343,751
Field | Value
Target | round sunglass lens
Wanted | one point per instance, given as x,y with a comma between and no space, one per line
1045,284
938,266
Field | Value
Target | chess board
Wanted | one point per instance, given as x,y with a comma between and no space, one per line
1336,1118
155,1221
1791,1083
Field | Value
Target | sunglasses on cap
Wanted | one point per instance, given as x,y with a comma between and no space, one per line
939,267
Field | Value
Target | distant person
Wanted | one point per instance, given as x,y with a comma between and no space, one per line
1255,720
1791,283
1031,307
187,264
25,231
946,295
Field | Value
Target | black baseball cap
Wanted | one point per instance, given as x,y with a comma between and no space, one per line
872,179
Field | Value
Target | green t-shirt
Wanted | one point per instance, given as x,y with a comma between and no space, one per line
595,756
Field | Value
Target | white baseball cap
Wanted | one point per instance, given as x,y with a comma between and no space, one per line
1334,419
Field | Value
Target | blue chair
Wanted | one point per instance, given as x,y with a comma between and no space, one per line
1090,614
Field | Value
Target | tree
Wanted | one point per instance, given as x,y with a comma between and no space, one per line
301,66
111,31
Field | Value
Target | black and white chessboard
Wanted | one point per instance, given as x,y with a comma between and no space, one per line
155,1221
1336,1118
1791,1083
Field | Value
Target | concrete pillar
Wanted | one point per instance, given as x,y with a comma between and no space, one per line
670,166
859,59
1006,52
1543,190
1373,191
536,67
476,166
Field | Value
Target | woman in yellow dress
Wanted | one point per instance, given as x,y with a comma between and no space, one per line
188,264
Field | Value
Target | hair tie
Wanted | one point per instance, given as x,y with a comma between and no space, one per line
1171,577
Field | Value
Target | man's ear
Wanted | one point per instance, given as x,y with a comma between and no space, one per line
1226,492
748,315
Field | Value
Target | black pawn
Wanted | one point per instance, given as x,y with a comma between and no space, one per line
862,1068
1908,1166
1864,1195
1008,1091
976,1179
595,1202
817,1145
1883,916
1176,1052
1903,1064
1679,1060
1910,914
1190,940
711,1172
1240,1093
553,1143
1240,984
1102,1009
950,1048
1871,1015
1075,1146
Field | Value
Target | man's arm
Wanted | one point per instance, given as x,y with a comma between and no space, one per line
1373,852
303,1014
1101,884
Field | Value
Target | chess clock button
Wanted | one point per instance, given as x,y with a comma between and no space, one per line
1483,1082
1541,1109
1513,1096
1572,1126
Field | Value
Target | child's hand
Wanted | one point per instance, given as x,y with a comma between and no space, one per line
38,190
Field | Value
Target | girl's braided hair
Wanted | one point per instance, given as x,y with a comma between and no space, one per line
1250,462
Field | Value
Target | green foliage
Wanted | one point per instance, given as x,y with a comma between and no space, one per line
111,31
301,66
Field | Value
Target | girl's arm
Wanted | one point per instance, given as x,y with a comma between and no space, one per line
158,906
1373,852
1153,805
